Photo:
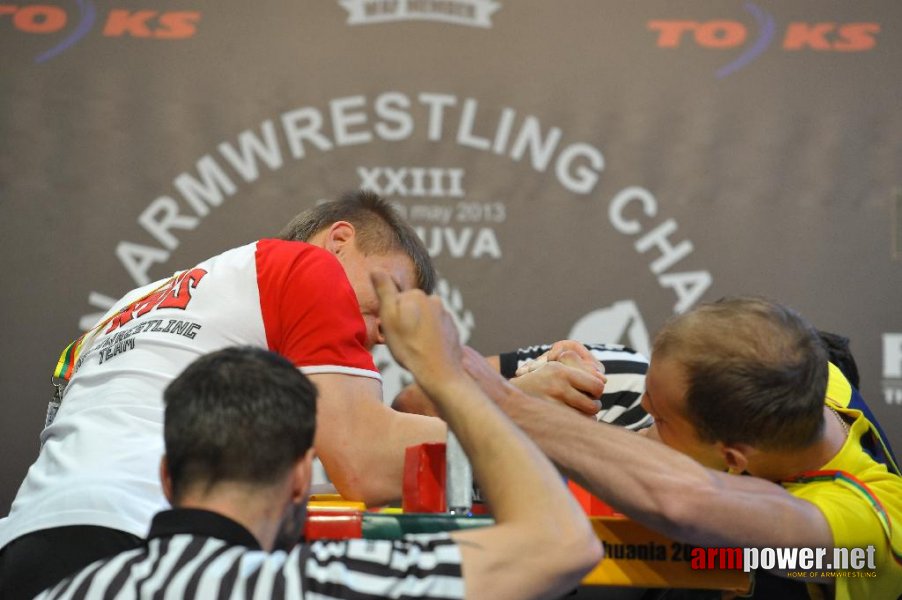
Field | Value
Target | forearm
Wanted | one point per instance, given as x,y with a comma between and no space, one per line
662,488
644,479
502,457
533,509
400,432
361,442
380,467
634,475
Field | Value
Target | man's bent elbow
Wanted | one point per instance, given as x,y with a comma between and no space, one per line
586,550
566,562
587,556
575,546
373,489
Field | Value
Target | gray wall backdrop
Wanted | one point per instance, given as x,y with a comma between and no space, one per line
582,168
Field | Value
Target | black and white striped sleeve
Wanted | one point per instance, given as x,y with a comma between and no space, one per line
182,566
188,567
419,566
625,369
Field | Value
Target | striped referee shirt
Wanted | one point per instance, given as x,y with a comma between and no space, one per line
625,369
194,553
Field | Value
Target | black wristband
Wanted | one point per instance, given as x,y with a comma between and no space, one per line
508,364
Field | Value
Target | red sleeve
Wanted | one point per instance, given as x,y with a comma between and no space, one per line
310,312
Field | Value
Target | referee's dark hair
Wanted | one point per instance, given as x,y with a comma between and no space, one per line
241,414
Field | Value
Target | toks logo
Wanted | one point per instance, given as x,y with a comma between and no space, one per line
722,34
45,19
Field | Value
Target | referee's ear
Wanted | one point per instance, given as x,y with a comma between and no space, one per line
302,474
166,479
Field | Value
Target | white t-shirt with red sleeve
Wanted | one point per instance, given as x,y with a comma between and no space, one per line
99,463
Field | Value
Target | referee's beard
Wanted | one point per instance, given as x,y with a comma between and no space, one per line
292,526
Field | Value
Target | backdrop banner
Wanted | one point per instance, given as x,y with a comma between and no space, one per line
581,169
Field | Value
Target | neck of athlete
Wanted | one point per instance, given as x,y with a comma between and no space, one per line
784,464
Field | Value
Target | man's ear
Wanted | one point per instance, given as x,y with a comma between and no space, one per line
302,473
166,479
339,234
736,457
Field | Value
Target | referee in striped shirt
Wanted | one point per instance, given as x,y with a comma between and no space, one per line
239,429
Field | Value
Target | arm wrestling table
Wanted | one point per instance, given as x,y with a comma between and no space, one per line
635,556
